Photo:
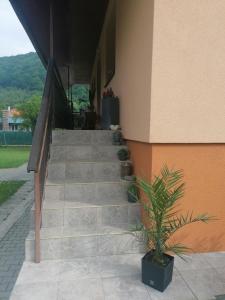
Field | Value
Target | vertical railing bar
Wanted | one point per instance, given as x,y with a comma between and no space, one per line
37,197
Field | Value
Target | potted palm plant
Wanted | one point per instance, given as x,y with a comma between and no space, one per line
160,205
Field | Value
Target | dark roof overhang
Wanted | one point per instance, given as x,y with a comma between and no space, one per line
77,26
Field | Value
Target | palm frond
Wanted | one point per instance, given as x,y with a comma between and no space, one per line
177,249
183,220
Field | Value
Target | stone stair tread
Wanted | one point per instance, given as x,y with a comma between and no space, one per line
84,153
84,171
83,162
92,216
58,204
86,195
65,181
66,232
75,180
81,204
82,137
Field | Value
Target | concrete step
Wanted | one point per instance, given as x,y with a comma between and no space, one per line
85,153
82,137
85,210
68,243
92,193
76,217
83,171
94,204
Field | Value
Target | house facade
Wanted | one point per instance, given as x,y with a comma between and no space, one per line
10,120
165,61
169,75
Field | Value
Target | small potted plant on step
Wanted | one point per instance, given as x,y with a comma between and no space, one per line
117,137
160,205
123,154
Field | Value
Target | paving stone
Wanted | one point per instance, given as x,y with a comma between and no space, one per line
12,253
4,295
205,283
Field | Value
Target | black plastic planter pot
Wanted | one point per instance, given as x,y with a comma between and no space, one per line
155,275
131,198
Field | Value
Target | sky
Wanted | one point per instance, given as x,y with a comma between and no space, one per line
13,38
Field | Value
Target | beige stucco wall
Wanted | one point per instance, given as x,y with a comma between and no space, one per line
132,79
188,72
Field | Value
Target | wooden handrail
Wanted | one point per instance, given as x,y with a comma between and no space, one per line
55,111
39,137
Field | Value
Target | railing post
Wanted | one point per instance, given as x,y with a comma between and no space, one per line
37,198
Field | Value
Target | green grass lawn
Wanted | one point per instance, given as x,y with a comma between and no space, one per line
13,156
8,188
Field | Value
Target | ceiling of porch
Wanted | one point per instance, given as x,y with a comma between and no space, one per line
77,27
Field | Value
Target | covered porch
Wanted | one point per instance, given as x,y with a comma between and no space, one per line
81,235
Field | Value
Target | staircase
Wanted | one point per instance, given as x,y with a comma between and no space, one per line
85,210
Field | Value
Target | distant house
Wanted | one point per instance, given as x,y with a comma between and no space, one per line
10,120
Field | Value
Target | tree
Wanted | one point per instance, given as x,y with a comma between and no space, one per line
80,96
29,112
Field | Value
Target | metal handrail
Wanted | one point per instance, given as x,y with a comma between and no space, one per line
55,111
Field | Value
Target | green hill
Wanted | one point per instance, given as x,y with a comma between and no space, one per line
22,76
22,71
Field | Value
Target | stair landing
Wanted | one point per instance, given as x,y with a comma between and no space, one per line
119,277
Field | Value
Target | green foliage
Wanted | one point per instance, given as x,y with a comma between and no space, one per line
123,154
23,72
161,209
8,188
80,94
13,96
12,157
80,91
21,77
29,112
80,104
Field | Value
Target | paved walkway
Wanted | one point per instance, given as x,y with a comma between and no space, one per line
118,277
14,227
14,207
19,173
12,253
